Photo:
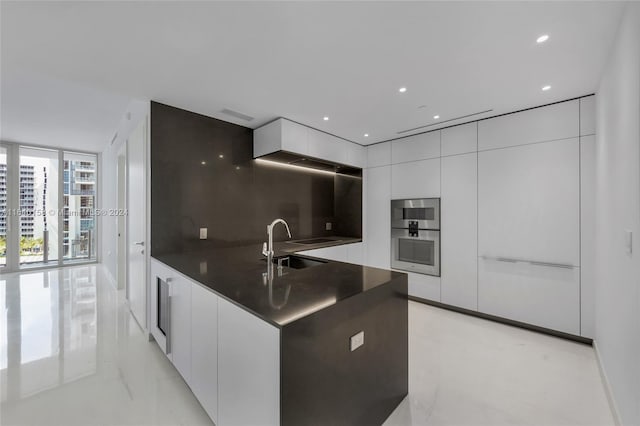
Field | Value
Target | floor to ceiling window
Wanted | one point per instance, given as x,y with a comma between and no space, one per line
38,180
79,197
47,207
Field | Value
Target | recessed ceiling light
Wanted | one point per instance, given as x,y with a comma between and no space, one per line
402,89
545,88
435,117
366,135
203,163
221,155
542,38
325,118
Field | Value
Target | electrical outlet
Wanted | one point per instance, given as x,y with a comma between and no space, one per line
356,340
328,226
203,268
203,233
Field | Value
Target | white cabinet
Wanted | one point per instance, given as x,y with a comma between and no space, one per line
181,326
378,205
280,135
529,202
379,154
459,232
356,253
552,122
588,115
285,135
327,147
417,147
416,179
587,235
460,139
249,368
539,295
204,348
423,286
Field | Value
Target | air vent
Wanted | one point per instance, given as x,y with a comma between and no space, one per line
114,138
237,114
439,123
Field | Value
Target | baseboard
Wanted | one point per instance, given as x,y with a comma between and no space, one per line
607,387
579,339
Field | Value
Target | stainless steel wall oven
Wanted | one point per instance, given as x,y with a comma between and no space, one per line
415,235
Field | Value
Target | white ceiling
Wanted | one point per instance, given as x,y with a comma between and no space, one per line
70,68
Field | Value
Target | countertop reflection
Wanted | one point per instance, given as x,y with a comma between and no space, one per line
240,274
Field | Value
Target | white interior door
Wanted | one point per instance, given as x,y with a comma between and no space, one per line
136,226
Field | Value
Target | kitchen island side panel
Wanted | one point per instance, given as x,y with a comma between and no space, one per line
324,382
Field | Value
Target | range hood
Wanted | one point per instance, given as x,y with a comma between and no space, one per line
297,160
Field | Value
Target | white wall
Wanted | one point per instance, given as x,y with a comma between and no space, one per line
136,111
618,209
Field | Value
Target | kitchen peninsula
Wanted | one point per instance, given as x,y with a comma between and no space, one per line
318,342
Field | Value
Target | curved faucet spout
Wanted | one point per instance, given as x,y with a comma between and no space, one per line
268,251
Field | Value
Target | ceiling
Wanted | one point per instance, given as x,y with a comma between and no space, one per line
70,68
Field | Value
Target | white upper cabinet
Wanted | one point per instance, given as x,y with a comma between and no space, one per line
327,147
529,202
552,122
285,135
417,147
416,179
459,231
379,154
281,135
588,115
460,139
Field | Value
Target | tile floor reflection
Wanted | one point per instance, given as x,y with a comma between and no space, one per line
72,354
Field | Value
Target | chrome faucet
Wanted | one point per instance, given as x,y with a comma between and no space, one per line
267,250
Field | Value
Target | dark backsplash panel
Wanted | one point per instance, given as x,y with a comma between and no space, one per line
232,195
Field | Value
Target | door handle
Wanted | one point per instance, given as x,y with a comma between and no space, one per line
139,243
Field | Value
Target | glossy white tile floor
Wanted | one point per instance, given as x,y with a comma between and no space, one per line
71,354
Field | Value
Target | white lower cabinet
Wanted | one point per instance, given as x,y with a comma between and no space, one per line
424,286
204,349
249,368
545,296
181,325
229,358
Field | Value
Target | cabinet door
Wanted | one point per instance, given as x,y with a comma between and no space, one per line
158,272
181,326
355,253
204,348
545,296
423,286
587,235
377,231
459,232
356,154
417,147
248,368
552,122
327,147
460,139
529,202
295,137
379,154
417,179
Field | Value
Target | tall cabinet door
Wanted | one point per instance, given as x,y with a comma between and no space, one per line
459,232
204,348
181,326
378,234
529,234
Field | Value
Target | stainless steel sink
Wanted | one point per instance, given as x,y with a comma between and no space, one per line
296,262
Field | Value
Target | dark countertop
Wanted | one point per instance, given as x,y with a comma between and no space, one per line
239,275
